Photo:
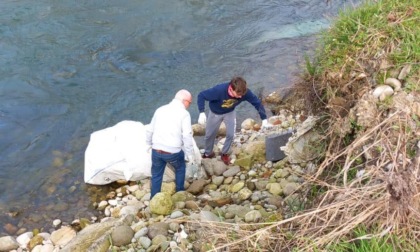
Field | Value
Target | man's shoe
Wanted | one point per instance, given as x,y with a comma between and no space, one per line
226,159
211,155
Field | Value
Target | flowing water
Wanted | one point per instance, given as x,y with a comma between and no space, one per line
68,68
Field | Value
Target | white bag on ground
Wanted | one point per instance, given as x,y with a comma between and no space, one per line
120,152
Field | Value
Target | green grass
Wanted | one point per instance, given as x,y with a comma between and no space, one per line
364,242
369,32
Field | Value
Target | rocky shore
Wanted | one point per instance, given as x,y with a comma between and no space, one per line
249,190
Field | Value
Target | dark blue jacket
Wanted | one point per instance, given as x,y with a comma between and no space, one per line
220,102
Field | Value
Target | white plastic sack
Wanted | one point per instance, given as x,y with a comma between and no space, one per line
120,152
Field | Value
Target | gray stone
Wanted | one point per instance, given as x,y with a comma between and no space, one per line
238,210
94,237
253,216
275,200
141,232
159,228
176,214
208,216
122,235
274,188
261,184
159,239
232,171
8,243
217,180
63,235
290,188
197,186
244,194
219,168
145,242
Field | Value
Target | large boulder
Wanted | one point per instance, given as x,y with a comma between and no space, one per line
161,204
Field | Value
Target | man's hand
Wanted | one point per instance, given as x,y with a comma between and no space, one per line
266,125
149,149
202,119
191,160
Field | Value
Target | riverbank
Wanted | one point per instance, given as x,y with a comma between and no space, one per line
250,190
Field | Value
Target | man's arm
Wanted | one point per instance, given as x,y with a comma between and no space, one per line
208,95
201,100
149,131
187,135
253,99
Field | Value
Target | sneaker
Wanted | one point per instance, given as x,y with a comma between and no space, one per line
211,155
226,159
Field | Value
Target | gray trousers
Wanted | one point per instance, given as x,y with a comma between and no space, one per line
212,128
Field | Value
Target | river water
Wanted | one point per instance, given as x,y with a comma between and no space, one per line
69,68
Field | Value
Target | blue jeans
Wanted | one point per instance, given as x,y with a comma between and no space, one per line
159,161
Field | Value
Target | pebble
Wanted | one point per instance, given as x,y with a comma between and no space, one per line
56,222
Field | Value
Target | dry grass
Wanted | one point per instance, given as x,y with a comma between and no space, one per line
370,174
386,197
378,141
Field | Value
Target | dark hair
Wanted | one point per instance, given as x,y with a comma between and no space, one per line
238,85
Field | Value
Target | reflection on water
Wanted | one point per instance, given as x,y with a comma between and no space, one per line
69,68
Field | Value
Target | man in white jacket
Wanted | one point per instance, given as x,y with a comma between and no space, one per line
169,131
